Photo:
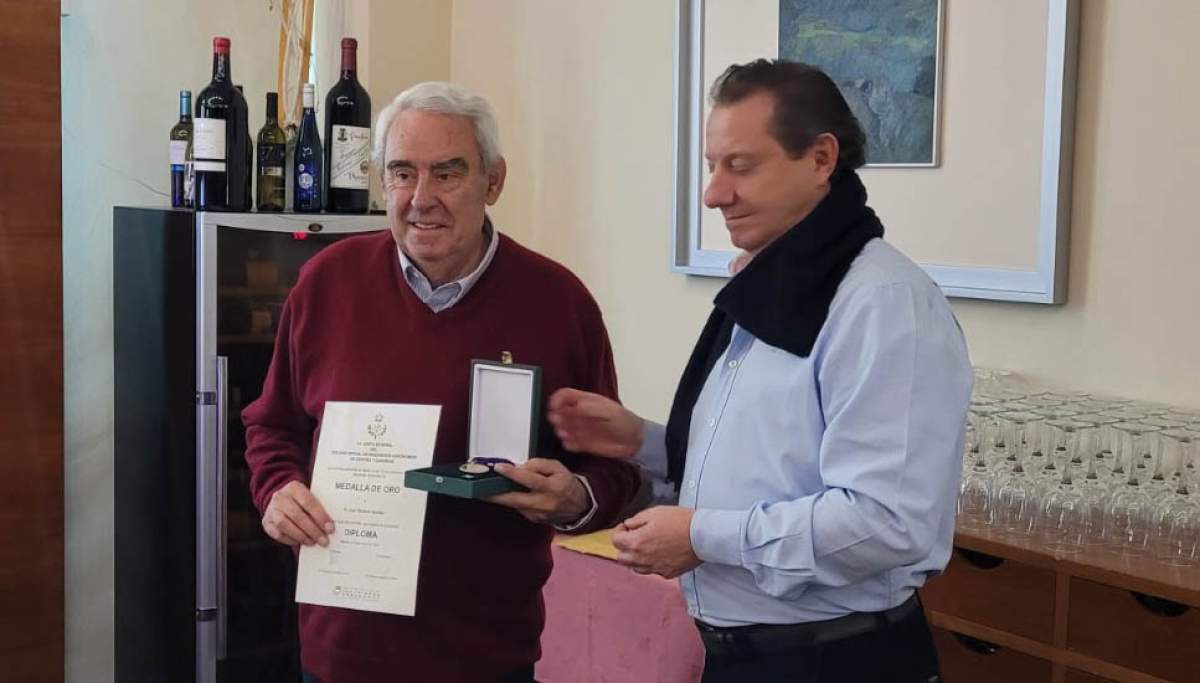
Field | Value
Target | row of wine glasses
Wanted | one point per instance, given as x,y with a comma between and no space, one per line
1080,470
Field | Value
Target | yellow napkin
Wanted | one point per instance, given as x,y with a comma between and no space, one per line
596,543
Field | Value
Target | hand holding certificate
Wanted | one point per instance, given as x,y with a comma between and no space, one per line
373,556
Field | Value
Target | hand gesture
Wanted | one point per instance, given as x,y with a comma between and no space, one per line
657,541
595,424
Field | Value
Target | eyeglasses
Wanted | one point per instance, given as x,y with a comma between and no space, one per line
436,181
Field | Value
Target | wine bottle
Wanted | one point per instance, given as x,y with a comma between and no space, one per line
181,137
219,139
347,137
272,153
308,158
241,175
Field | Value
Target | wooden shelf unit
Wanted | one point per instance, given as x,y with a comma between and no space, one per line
1009,609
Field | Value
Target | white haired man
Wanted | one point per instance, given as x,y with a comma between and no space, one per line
396,317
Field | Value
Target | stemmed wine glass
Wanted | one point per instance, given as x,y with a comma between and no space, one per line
1130,510
975,494
1016,490
1177,518
1066,515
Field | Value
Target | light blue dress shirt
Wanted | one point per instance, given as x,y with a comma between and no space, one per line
826,485
445,296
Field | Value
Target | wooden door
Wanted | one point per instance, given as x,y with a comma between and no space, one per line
31,347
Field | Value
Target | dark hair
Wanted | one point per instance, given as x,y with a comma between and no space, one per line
807,104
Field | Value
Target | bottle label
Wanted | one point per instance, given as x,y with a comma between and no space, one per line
189,183
208,144
271,158
308,193
177,154
350,157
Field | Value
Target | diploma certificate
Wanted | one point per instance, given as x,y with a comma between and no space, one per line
373,555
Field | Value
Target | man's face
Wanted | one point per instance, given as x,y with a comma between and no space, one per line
436,189
761,191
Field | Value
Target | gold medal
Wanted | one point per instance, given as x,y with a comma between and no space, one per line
473,468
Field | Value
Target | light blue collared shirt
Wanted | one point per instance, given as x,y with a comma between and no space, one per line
826,485
443,297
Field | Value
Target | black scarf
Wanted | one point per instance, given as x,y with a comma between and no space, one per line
781,297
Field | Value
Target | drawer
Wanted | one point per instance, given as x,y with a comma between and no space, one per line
1134,630
1077,676
1003,594
969,660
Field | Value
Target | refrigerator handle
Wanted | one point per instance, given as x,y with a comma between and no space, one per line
222,503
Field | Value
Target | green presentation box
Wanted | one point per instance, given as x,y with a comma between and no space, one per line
503,425
448,480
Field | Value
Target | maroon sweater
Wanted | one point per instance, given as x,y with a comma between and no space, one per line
353,330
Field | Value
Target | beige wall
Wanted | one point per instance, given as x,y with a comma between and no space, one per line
409,44
584,97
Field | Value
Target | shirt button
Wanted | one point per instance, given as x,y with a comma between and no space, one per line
733,364
692,484
712,422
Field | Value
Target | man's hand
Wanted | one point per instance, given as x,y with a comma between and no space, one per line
294,517
657,541
555,495
591,423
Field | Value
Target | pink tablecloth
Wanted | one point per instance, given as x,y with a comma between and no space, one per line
606,624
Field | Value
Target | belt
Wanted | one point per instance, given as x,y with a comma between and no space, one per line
756,639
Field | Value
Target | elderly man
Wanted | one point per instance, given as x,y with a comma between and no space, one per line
397,317
816,435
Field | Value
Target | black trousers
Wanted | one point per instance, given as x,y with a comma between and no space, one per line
901,652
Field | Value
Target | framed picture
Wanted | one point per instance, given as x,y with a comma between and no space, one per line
969,111
885,57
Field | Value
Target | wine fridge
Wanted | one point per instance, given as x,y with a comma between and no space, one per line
201,593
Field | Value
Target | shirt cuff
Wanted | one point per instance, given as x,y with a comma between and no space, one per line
652,455
582,521
717,535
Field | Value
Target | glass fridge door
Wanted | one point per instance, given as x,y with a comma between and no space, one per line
254,638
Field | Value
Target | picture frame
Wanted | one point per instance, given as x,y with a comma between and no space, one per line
1043,279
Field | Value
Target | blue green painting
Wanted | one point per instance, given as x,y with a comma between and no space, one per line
883,56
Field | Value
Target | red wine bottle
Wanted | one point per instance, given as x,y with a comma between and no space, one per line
347,138
219,139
